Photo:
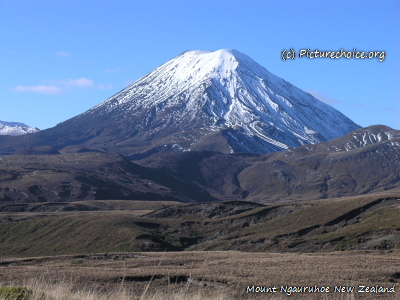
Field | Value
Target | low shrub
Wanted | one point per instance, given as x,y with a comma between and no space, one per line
15,293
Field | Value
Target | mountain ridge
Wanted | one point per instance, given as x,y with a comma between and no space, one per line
16,128
43,174
309,172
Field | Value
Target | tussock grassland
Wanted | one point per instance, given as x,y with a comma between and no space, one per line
202,275
68,291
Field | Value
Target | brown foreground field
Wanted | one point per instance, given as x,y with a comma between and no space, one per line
120,250
204,275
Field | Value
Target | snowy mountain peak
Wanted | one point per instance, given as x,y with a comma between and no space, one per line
203,100
219,55
197,66
15,128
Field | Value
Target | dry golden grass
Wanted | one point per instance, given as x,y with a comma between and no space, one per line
67,291
201,275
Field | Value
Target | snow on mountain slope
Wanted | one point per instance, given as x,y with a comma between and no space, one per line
200,100
228,92
357,139
16,128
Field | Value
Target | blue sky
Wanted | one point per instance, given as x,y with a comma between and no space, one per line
60,58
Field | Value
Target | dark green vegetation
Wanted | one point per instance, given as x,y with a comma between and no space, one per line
15,293
91,227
